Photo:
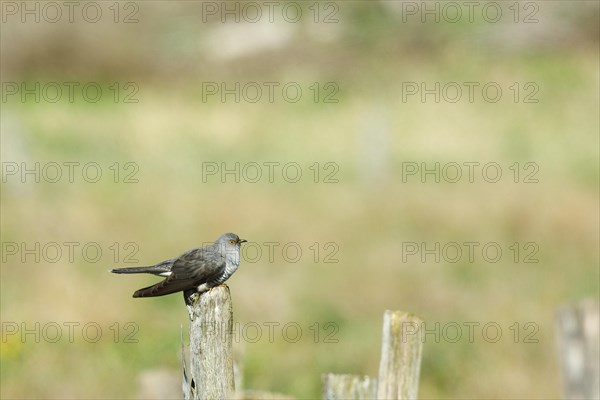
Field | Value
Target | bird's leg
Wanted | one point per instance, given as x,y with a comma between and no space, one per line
186,297
192,296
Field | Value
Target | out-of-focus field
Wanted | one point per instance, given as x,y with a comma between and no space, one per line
370,134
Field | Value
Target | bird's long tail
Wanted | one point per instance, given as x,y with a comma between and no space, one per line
162,269
135,270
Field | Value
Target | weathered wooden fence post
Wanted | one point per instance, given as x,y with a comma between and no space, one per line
401,350
399,367
578,335
211,343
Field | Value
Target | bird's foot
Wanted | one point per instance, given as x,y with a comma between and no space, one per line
191,298
194,299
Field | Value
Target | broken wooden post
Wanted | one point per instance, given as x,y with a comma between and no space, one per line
211,344
578,336
401,350
344,386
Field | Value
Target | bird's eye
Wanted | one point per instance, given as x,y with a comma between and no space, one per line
232,241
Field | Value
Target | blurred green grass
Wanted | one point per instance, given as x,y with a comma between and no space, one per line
171,132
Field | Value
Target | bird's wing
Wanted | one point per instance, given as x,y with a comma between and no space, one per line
193,268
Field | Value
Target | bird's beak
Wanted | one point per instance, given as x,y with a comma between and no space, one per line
242,241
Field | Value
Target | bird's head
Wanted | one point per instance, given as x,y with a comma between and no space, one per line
230,240
229,245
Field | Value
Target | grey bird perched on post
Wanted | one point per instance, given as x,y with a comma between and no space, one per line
195,271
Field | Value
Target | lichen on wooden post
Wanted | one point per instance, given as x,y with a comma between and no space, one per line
401,351
211,343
